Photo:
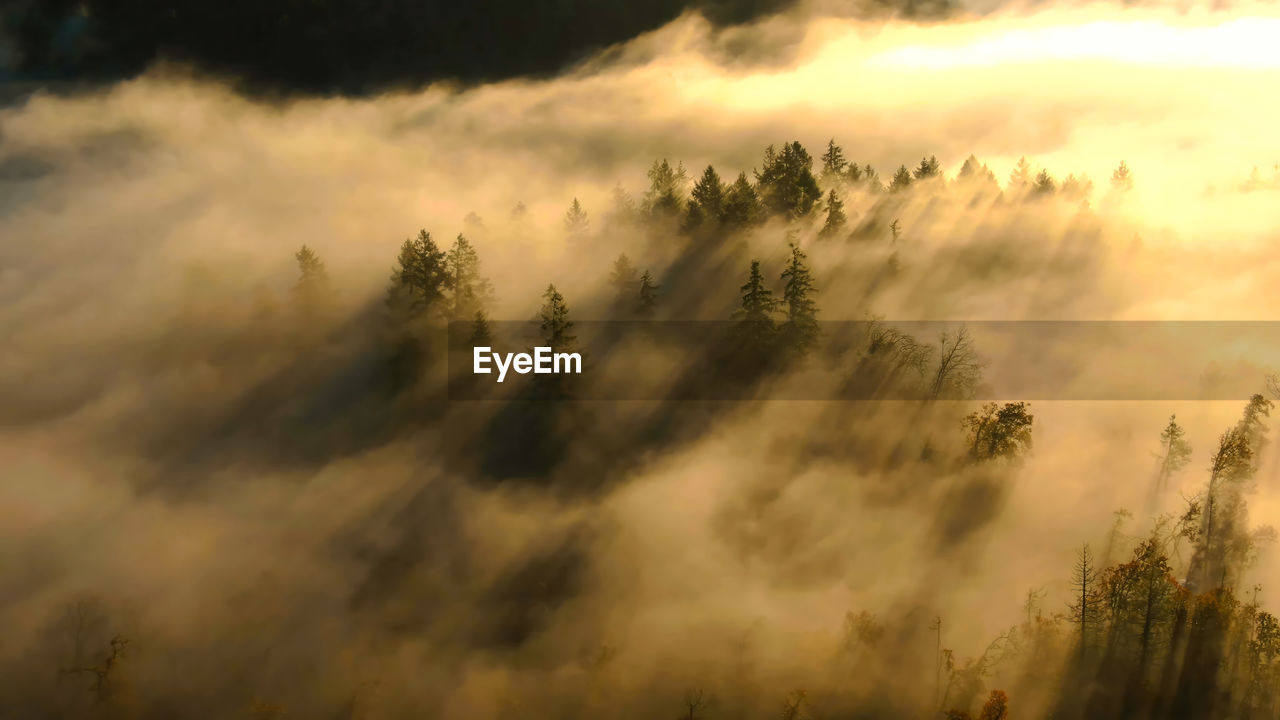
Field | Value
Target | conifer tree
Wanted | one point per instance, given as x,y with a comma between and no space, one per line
834,164
575,220
707,201
665,196
312,288
928,168
1121,178
800,330
623,278
1044,184
647,297
471,291
756,327
1076,187
742,207
557,329
1020,178
624,210
1175,452
901,179
786,181
420,279
836,219
972,171
481,335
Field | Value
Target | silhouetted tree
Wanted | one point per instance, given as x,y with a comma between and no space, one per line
742,207
786,182
958,368
557,329
623,279
575,221
665,197
901,179
1175,452
470,290
755,314
999,432
420,279
1086,604
707,201
312,289
647,297
834,164
836,219
1044,184
928,168
481,336
800,330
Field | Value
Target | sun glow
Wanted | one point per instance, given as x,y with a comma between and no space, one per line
1241,43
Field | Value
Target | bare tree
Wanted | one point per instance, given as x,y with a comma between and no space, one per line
959,368
1087,606
695,704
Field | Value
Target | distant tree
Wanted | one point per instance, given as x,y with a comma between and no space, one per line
695,705
520,211
665,197
1121,178
481,335
647,297
895,231
624,210
999,432
1076,187
974,171
1252,423
1086,604
575,220
312,289
1020,179
800,331
901,179
623,278
707,202
834,164
420,279
786,182
557,329
471,291
1044,184
928,168
1175,452
836,219
853,173
742,207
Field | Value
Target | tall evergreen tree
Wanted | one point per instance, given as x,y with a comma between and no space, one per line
901,179
623,279
742,207
834,164
786,181
575,220
665,197
624,210
1175,452
928,168
1044,184
836,219
471,291
420,279
557,329
1020,179
481,335
647,296
312,289
800,331
707,202
755,328
1121,178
